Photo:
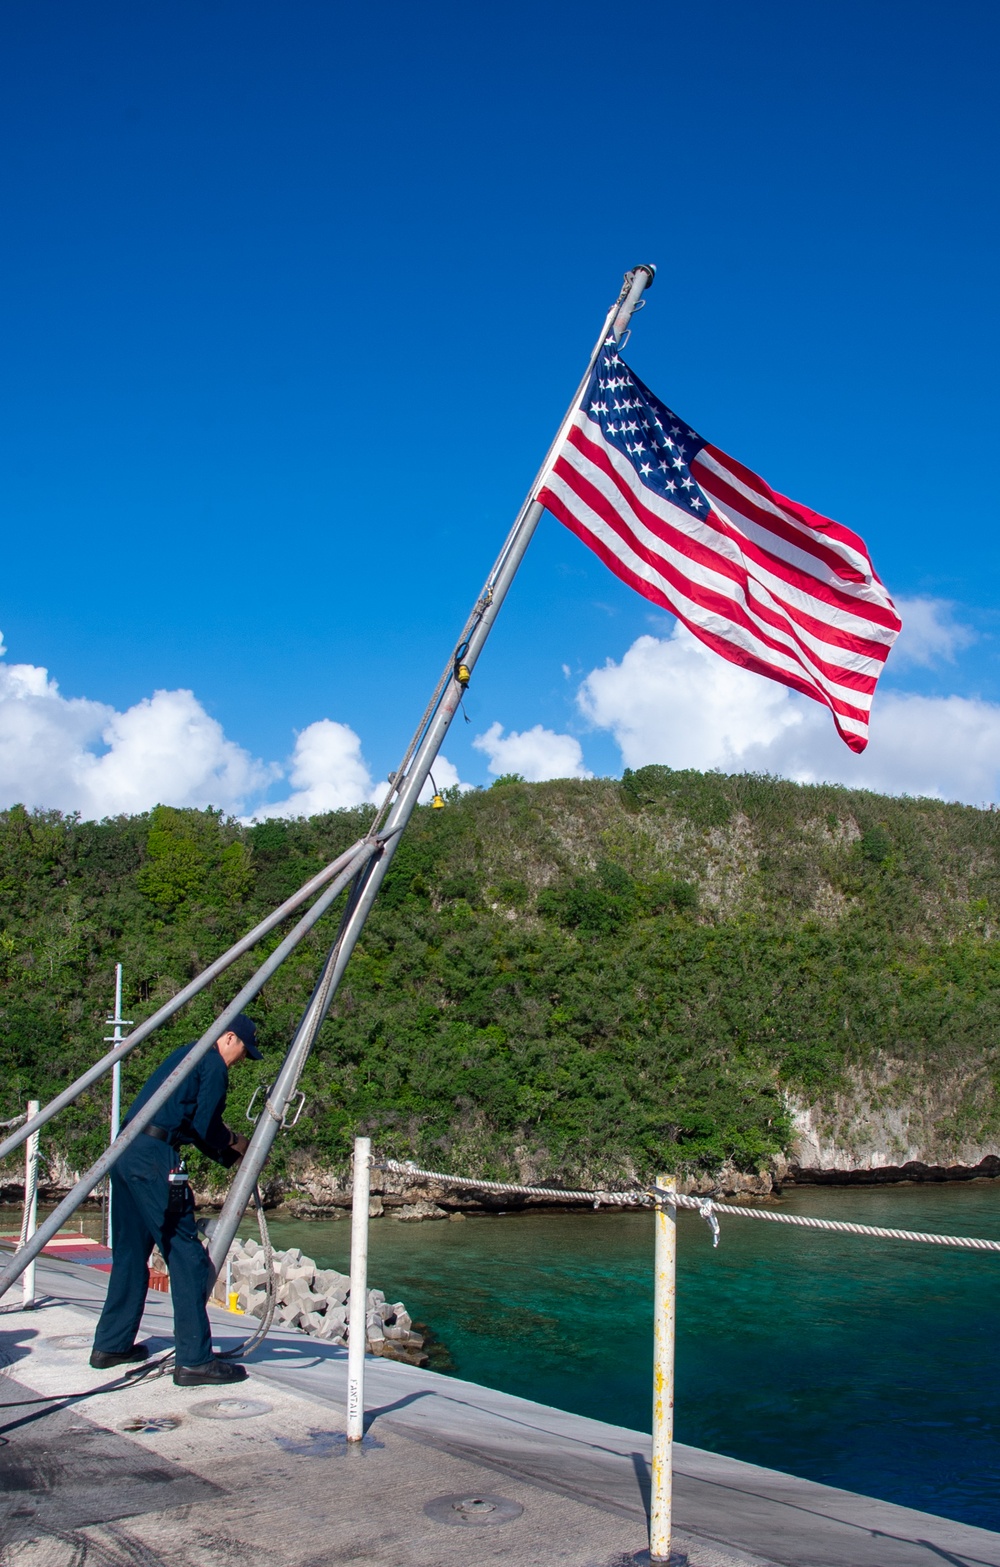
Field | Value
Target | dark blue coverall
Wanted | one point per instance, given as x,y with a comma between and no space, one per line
139,1191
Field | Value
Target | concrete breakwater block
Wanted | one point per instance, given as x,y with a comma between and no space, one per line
317,1301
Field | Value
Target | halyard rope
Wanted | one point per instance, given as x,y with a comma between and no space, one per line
271,1288
30,1192
707,1207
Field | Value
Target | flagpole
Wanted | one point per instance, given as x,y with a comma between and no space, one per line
406,784
480,622
636,281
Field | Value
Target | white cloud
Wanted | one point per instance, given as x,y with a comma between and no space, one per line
930,633
536,753
672,700
327,772
168,745
73,754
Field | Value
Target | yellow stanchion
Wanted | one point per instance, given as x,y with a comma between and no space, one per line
664,1314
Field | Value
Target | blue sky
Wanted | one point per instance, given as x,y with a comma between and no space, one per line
294,297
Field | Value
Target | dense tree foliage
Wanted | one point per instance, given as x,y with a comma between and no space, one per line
575,977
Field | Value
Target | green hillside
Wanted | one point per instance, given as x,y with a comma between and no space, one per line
577,978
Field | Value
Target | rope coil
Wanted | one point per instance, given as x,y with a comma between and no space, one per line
708,1208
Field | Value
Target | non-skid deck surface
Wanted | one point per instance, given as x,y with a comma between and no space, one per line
286,1485
61,1471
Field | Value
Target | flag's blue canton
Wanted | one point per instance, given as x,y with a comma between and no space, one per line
659,446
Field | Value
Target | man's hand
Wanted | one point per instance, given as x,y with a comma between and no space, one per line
238,1143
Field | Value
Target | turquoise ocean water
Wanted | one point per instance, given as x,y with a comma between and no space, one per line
872,1365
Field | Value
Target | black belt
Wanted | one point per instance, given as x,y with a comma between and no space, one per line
160,1135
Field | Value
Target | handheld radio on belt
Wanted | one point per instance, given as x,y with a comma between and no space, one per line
178,1190
178,1187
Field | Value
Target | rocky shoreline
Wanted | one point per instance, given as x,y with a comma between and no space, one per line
322,1194
317,1193
913,1171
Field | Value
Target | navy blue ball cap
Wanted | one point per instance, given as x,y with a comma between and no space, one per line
246,1029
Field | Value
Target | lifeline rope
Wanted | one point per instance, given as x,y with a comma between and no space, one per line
707,1207
15,1121
398,1167
967,1242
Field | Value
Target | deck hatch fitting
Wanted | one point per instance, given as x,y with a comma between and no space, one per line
150,1425
473,1512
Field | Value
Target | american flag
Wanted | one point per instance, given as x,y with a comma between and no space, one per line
764,581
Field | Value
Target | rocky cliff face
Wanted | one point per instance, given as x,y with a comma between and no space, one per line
892,1122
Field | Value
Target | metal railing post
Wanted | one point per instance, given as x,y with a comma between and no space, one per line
664,1314
357,1332
30,1218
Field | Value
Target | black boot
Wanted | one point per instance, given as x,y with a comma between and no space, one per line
213,1373
102,1360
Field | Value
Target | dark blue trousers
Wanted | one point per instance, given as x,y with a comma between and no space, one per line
138,1219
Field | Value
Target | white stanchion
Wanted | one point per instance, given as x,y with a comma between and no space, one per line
116,1080
357,1332
664,1314
29,1222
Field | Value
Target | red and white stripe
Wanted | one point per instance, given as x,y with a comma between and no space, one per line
762,580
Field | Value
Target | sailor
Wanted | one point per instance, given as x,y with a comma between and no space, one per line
149,1206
